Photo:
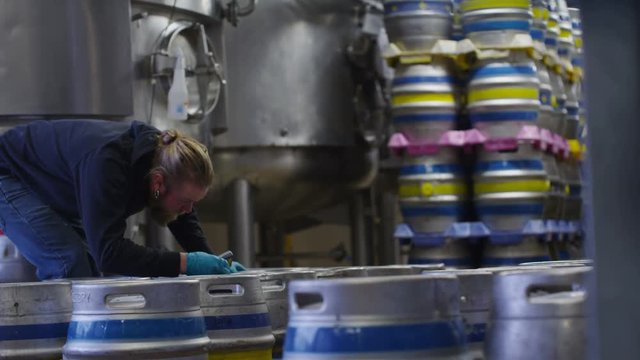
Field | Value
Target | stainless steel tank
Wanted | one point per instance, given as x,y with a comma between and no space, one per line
13,266
236,316
401,317
34,318
291,136
68,58
539,315
136,319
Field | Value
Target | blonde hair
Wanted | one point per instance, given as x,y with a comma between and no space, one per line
182,158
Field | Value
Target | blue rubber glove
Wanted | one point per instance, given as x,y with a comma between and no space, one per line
237,267
201,263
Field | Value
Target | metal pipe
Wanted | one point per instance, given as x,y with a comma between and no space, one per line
241,223
358,231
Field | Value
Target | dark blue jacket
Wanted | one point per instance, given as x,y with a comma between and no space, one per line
96,171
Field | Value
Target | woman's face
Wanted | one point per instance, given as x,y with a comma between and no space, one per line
175,201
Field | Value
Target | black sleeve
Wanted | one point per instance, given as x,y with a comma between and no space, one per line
188,232
102,189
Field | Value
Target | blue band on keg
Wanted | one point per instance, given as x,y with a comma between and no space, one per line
418,211
572,110
523,209
137,329
370,339
510,165
545,97
561,103
551,42
576,61
499,261
492,25
451,262
438,7
537,34
490,71
232,322
422,169
504,116
33,331
476,332
406,80
563,51
413,118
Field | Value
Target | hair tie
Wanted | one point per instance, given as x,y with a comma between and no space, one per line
168,136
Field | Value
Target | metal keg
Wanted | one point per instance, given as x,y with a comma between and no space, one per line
236,317
414,25
503,95
136,319
558,101
572,107
456,32
572,206
540,19
539,315
403,317
514,187
13,266
432,191
490,24
516,251
553,27
34,318
275,287
545,117
576,26
423,101
475,303
452,252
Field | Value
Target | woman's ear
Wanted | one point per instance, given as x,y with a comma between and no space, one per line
157,182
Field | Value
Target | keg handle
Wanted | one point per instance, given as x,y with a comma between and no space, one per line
225,290
274,285
125,301
553,293
308,301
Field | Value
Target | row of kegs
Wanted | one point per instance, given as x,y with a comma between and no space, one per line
337,313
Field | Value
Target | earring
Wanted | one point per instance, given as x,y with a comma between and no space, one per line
156,194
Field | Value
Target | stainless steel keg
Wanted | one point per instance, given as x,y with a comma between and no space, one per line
236,317
453,253
514,252
539,315
490,24
34,318
407,317
414,25
136,319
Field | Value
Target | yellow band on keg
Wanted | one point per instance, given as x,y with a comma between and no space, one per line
541,13
552,23
512,186
398,100
577,41
263,354
565,33
431,189
472,5
503,93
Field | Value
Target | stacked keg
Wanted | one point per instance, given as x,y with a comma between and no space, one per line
407,317
34,318
425,108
